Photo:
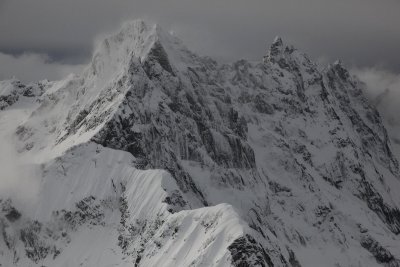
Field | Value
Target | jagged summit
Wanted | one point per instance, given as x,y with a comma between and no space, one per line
281,53
155,156
277,41
137,41
133,42
275,49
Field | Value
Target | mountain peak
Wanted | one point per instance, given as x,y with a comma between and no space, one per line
137,24
140,28
339,67
277,41
277,49
138,40
132,42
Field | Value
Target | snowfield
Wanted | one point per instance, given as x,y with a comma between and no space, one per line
155,156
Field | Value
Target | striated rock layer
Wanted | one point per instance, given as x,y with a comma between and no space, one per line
155,156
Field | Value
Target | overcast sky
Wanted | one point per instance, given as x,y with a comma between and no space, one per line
43,38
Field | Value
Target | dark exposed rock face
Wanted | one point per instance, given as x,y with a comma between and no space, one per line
381,254
247,252
157,55
36,249
13,215
183,126
16,90
388,214
41,240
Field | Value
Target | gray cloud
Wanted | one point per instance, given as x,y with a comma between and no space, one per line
362,32
18,179
34,67
383,88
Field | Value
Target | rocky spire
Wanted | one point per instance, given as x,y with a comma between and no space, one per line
276,48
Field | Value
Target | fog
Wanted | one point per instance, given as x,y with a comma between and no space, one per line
18,176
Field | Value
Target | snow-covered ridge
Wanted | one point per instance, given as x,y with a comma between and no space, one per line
178,160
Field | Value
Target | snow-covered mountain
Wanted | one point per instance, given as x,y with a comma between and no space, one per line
155,156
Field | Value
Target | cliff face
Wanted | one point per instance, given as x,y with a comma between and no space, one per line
178,160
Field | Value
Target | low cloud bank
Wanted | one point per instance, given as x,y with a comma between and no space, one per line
34,67
19,178
383,89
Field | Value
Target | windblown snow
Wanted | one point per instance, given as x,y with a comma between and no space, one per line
155,156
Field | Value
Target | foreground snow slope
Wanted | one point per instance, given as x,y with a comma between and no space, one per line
155,156
94,208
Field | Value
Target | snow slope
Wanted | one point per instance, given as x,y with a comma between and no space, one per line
92,195
155,156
